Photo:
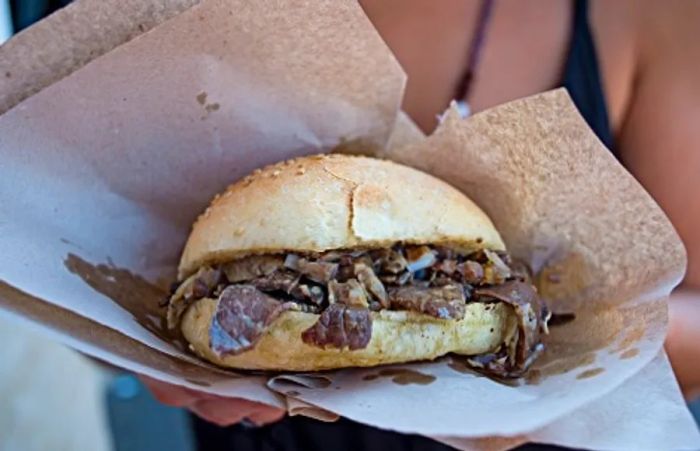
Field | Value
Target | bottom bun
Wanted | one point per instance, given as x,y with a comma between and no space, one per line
397,337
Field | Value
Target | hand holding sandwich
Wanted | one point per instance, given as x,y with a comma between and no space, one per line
215,409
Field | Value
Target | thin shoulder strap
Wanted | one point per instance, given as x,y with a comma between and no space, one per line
463,89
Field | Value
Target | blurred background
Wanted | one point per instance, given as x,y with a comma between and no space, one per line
55,399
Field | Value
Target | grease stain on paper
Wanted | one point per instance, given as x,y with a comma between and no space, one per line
559,366
198,382
70,243
534,377
631,338
86,330
402,376
141,298
630,353
461,367
208,107
590,373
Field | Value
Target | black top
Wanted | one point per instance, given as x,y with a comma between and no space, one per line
582,79
582,76
303,434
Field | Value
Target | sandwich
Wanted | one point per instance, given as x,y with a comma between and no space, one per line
336,261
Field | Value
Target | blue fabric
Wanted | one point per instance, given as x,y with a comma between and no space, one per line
582,76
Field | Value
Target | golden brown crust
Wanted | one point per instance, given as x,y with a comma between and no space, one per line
324,202
397,337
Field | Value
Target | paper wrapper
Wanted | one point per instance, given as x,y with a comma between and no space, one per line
104,171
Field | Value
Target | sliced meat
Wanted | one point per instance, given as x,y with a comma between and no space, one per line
505,257
206,281
532,317
242,315
447,267
397,279
284,281
332,256
375,306
318,271
197,286
364,259
445,253
495,363
521,271
495,270
349,293
500,364
389,279
389,261
341,326
441,281
446,302
250,268
372,284
472,272
346,269
310,293
345,286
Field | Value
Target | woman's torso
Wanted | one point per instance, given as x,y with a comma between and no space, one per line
525,51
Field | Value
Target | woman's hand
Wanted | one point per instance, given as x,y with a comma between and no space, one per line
683,340
215,409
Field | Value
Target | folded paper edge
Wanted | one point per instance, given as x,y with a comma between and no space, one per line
296,407
35,58
22,308
284,386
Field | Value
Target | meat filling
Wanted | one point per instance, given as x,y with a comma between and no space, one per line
345,286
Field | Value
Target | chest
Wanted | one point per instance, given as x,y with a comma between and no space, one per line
523,51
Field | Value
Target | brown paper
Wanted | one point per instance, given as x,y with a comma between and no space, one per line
117,349
627,418
104,171
71,38
128,150
603,248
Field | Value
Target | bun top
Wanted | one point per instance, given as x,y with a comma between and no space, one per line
323,202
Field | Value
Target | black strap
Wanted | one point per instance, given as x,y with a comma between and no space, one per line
482,22
582,77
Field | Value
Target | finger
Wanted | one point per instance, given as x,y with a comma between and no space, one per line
172,395
221,413
682,339
227,411
267,415
164,386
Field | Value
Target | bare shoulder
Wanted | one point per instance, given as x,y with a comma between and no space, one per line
658,139
613,26
668,28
